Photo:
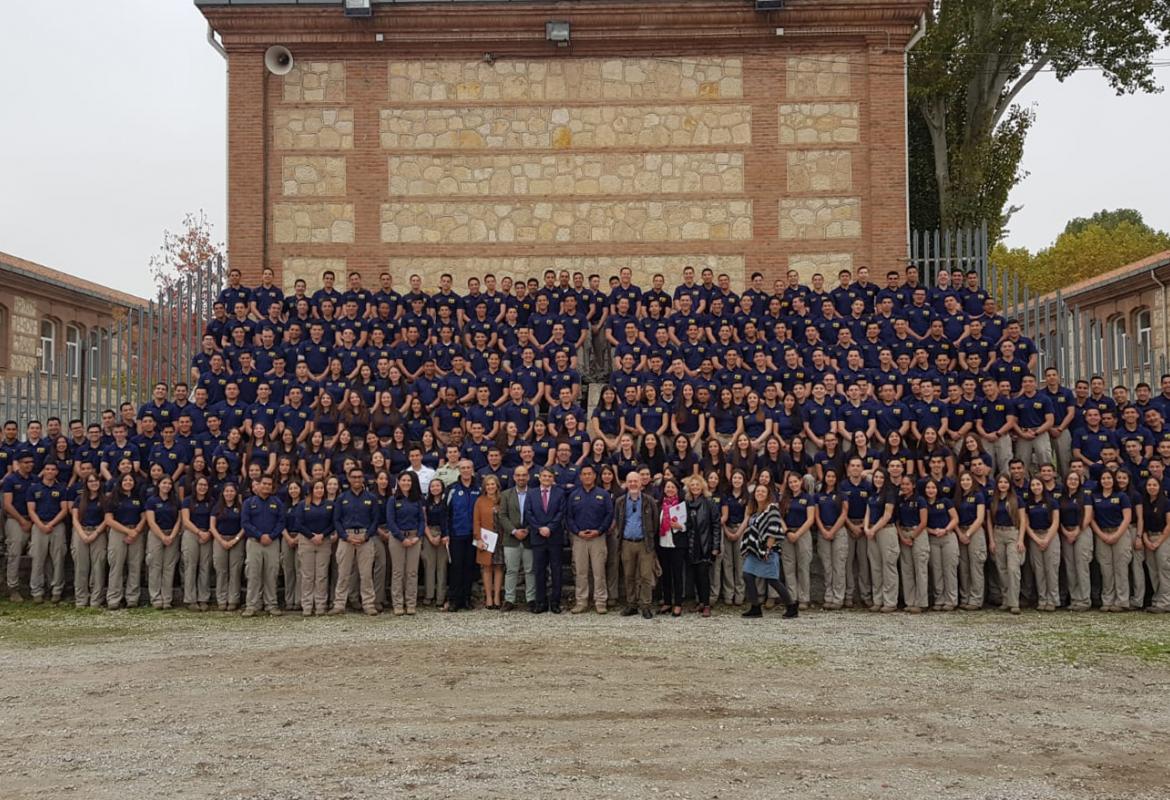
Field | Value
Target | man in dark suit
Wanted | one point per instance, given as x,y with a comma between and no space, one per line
544,519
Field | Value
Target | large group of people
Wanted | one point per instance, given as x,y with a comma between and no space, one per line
886,446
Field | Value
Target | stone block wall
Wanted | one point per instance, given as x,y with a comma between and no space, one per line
751,161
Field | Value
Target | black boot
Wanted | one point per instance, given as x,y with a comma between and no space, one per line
754,611
791,610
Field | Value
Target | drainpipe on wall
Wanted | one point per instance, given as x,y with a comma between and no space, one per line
1165,321
915,39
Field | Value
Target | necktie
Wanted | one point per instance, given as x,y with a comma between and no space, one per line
544,496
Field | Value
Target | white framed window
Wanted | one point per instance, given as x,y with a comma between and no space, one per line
5,333
1143,330
1118,342
96,337
48,346
73,340
1096,347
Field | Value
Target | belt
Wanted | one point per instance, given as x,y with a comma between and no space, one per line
628,539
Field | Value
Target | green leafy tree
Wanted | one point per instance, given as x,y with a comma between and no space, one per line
1084,252
969,70
1107,219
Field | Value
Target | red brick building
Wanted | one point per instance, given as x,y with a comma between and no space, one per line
457,136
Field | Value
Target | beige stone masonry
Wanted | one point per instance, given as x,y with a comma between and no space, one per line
819,123
313,176
820,217
313,128
828,264
547,127
593,174
568,79
819,75
315,82
601,221
820,171
317,223
310,270
524,267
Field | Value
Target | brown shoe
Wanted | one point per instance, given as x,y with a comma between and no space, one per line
275,612
336,611
16,597
602,610
398,612
578,609
371,612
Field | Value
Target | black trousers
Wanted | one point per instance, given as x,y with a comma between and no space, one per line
461,575
549,557
780,586
673,560
700,577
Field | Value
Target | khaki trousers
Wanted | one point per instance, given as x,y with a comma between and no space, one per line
915,564
196,559
883,566
288,572
16,543
1113,559
161,561
589,555
638,571
857,575
1007,565
1075,558
434,560
48,560
313,570
404,574
834,557
727,574
1001,453
379,573
518,559
125,562
1159,563
972,558
944,569
1137,578
89,570
229,572
1037,451
1046,569
1062,451
353,558
796,560
262,565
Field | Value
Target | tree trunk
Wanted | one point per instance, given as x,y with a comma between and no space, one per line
934,112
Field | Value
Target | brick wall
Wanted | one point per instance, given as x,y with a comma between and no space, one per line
740,158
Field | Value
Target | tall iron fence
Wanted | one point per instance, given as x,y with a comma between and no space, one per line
1068,337
122,361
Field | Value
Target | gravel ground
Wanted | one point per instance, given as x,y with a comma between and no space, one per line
843,705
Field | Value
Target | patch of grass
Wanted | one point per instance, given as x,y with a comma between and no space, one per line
946,663
779,655
47,625
1089,645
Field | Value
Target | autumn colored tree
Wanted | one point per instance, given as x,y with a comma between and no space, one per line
184,252
967,131
1103,242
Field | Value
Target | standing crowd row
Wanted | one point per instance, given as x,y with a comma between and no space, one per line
883,446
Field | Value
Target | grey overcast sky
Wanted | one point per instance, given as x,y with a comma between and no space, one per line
112,127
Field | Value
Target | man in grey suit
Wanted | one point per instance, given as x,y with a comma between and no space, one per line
517,551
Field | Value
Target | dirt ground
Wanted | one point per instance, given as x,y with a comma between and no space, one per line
843,705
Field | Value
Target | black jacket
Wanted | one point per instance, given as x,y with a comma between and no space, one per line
703,531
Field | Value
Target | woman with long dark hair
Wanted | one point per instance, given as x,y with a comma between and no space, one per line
941,522
832,540
89,544
314,525
798,511
882,542
672,547
406,521
1112,516
760,534
162,544
914,553
971,505
126,521
196,546
1007,541
227,555
1155,529
1075,510
1041,521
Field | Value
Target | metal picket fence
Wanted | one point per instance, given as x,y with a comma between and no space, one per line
143,345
